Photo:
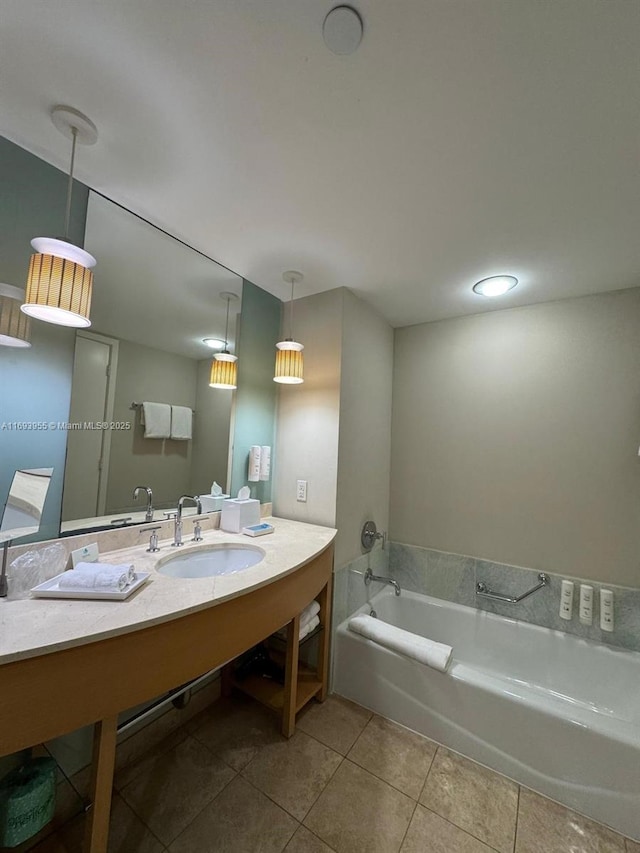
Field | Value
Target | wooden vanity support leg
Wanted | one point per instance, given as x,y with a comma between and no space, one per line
96,834
324,600
291,678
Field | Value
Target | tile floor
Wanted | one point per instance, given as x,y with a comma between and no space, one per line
347,781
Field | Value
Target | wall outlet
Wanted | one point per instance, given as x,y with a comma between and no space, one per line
301,491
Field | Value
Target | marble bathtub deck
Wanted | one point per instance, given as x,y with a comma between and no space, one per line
348,781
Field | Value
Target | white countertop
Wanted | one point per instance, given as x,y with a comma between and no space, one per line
31,627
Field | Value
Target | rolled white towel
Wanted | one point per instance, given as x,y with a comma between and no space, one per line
95,568
436,655
75,580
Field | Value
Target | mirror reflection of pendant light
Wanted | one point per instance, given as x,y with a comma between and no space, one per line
60,279
289,358
15,327
224,367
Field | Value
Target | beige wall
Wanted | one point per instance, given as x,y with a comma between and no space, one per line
334,430
515,436
308,415
365,425
165,465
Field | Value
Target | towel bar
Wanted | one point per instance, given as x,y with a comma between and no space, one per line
483,590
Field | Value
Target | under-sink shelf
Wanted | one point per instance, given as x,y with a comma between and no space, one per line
291,684
268,692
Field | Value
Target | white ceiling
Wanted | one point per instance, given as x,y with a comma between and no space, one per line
154,290
464,138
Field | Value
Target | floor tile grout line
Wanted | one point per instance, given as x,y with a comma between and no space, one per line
130,805
515,834
402,840
142,758
324,787
461,829
286,811
270,798
195,817
386,781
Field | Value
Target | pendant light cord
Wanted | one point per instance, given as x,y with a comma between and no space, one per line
226,328
67,215
291,312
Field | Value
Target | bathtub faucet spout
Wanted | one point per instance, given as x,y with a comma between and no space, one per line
369,576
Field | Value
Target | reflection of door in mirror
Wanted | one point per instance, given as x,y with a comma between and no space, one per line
157,299
25,502
88,445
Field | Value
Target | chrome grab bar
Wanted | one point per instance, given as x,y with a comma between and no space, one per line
483,589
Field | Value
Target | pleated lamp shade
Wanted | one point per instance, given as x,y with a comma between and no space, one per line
59,283
224,371
289,363
15,327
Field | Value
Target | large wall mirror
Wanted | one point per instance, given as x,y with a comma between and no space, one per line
155,300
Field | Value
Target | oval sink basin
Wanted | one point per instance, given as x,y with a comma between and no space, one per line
212,561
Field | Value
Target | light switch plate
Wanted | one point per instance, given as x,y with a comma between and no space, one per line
301,491
88,554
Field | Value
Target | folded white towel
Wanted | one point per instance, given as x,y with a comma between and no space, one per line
96,568
181,423
104,581
156,418
405,643
309,612
308,628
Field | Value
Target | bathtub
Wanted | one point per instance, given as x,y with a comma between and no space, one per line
556,713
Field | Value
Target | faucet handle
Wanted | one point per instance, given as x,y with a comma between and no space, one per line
153,539
369,535
197,532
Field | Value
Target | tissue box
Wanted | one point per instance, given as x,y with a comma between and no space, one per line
237,514
212,503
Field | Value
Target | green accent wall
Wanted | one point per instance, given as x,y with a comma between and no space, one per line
35,383
256,397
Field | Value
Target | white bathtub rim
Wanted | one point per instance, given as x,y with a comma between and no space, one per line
582,714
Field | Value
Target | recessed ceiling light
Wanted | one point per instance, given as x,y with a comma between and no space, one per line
496,285
342,30
214,343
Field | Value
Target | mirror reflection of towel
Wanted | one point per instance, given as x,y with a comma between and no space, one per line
181,423
156,418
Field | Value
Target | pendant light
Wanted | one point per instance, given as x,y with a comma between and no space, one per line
15,327
289,358
60,279
224,367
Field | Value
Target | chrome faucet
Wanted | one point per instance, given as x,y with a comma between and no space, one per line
177,533
149,513
369,576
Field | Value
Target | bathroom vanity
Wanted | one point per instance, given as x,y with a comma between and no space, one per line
66,664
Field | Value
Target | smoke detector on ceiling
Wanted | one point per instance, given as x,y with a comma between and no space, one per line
342,30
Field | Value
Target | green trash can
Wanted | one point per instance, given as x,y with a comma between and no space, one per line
27,800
